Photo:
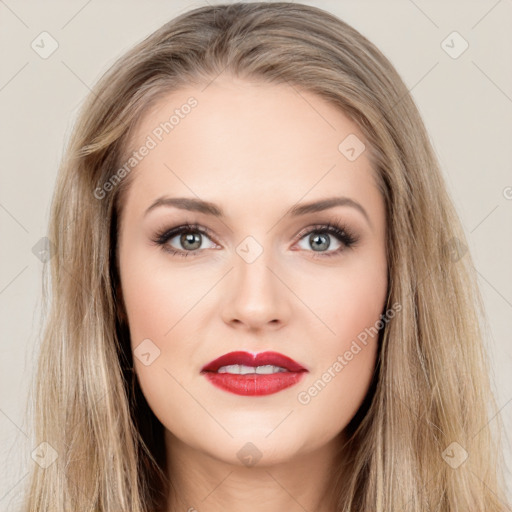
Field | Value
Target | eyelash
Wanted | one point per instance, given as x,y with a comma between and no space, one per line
336,228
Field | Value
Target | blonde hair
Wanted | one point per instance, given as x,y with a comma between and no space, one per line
431,386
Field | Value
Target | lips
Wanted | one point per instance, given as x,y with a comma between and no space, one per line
233,377
247,359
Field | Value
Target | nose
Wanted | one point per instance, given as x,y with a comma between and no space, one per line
255,294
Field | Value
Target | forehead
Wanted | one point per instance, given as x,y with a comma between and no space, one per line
253,140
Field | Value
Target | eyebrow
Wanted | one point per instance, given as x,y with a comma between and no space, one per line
208,208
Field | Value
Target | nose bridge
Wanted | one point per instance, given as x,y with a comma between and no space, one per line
255,296
252,262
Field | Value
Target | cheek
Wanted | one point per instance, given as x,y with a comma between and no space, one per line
157,306
156,295
162,302
344,364
330,399
350,307
346,300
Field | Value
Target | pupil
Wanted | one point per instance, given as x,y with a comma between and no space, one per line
194,239
320,241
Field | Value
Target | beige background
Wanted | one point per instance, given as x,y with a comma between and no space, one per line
466,103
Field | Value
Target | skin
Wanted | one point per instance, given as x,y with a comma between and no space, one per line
255,150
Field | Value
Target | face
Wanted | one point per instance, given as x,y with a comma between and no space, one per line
255,272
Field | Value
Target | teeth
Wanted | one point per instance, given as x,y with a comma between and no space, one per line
241,369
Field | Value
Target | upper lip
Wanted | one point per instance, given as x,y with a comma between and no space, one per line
248,359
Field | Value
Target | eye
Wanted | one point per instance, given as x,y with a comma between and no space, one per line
319,238
189,236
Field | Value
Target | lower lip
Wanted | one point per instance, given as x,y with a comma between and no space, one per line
254,384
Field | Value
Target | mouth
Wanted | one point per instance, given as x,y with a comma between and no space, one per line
248,374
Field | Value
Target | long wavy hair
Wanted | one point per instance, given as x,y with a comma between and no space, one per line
431,400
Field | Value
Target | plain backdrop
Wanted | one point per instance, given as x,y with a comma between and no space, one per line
465,101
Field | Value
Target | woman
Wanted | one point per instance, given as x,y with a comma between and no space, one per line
318,345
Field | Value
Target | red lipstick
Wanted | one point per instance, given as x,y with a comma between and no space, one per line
246,374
